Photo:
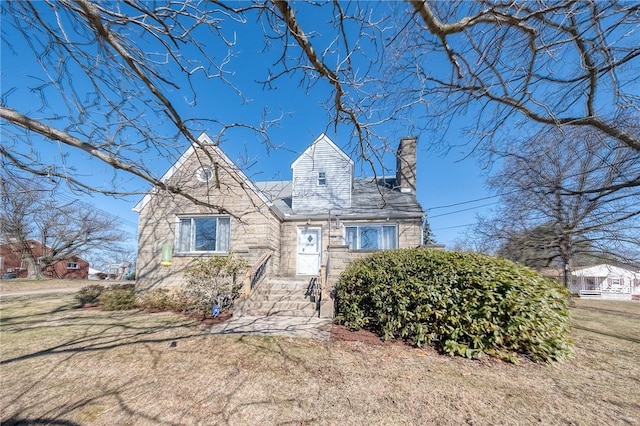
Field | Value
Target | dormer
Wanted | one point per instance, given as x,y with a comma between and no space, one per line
322,177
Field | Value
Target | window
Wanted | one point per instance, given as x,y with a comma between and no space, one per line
371,237
204,174
322,179
73,265
203,234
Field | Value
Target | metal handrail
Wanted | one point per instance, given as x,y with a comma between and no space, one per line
256,274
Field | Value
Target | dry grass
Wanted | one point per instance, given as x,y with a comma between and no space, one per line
91,367
25,285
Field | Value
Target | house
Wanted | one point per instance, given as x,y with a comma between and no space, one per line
606,281
23,260
96,274
320,219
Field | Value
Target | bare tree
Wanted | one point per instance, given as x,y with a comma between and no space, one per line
549,213
107,71
119,259
121,81
31,211
569,63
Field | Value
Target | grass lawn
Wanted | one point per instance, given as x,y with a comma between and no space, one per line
25,285
60,365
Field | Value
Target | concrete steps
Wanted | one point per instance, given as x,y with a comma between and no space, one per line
280,297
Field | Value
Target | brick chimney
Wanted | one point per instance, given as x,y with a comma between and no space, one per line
406,159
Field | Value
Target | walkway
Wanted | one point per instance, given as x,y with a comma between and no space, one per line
310,328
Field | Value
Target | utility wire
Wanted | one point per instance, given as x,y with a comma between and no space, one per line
452,227
466,202
463,210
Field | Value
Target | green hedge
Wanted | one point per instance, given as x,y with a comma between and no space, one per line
464,304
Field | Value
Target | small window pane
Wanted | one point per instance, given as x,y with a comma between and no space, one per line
224,230
370,237
350,236
205,235
389,237
184,236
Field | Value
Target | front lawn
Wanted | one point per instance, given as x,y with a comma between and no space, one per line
87,367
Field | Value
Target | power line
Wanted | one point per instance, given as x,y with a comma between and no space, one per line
465,202
453,227
570,176
463,210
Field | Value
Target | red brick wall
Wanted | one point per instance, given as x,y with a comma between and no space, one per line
13,261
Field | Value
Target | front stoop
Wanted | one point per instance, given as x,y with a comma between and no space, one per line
279,297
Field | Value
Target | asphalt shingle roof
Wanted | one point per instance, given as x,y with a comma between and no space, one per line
371,198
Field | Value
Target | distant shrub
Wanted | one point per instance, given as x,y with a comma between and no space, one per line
89,295
118,297
162,299
213,281
465,304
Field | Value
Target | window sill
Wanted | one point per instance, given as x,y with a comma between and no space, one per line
202,254
370,250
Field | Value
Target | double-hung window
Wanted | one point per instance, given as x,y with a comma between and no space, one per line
322,178
73,265
199,234
371,237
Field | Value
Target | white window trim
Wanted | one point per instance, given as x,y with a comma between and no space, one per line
204,173
322,178
373,224
73,265
176,245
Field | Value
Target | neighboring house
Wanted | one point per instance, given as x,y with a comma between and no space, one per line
323,217
96,274
606,281
118,271
23,261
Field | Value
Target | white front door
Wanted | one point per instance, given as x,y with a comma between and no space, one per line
309,250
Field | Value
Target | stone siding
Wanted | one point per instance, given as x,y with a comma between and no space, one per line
409,235
254,228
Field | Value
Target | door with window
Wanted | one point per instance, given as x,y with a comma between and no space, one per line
309,250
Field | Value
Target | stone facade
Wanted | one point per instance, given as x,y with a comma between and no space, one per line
409,235
254,227
262,224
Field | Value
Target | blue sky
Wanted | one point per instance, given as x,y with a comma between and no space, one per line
450,178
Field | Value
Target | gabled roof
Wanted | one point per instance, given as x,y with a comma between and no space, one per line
206,140
311,149
605,270
372,199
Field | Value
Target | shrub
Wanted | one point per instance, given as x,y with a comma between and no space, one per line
89,294
118,297
213,281
161,299
465,304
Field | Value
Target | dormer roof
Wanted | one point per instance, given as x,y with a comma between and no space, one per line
309,152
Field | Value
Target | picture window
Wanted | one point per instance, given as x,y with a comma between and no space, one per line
203,234
371,237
